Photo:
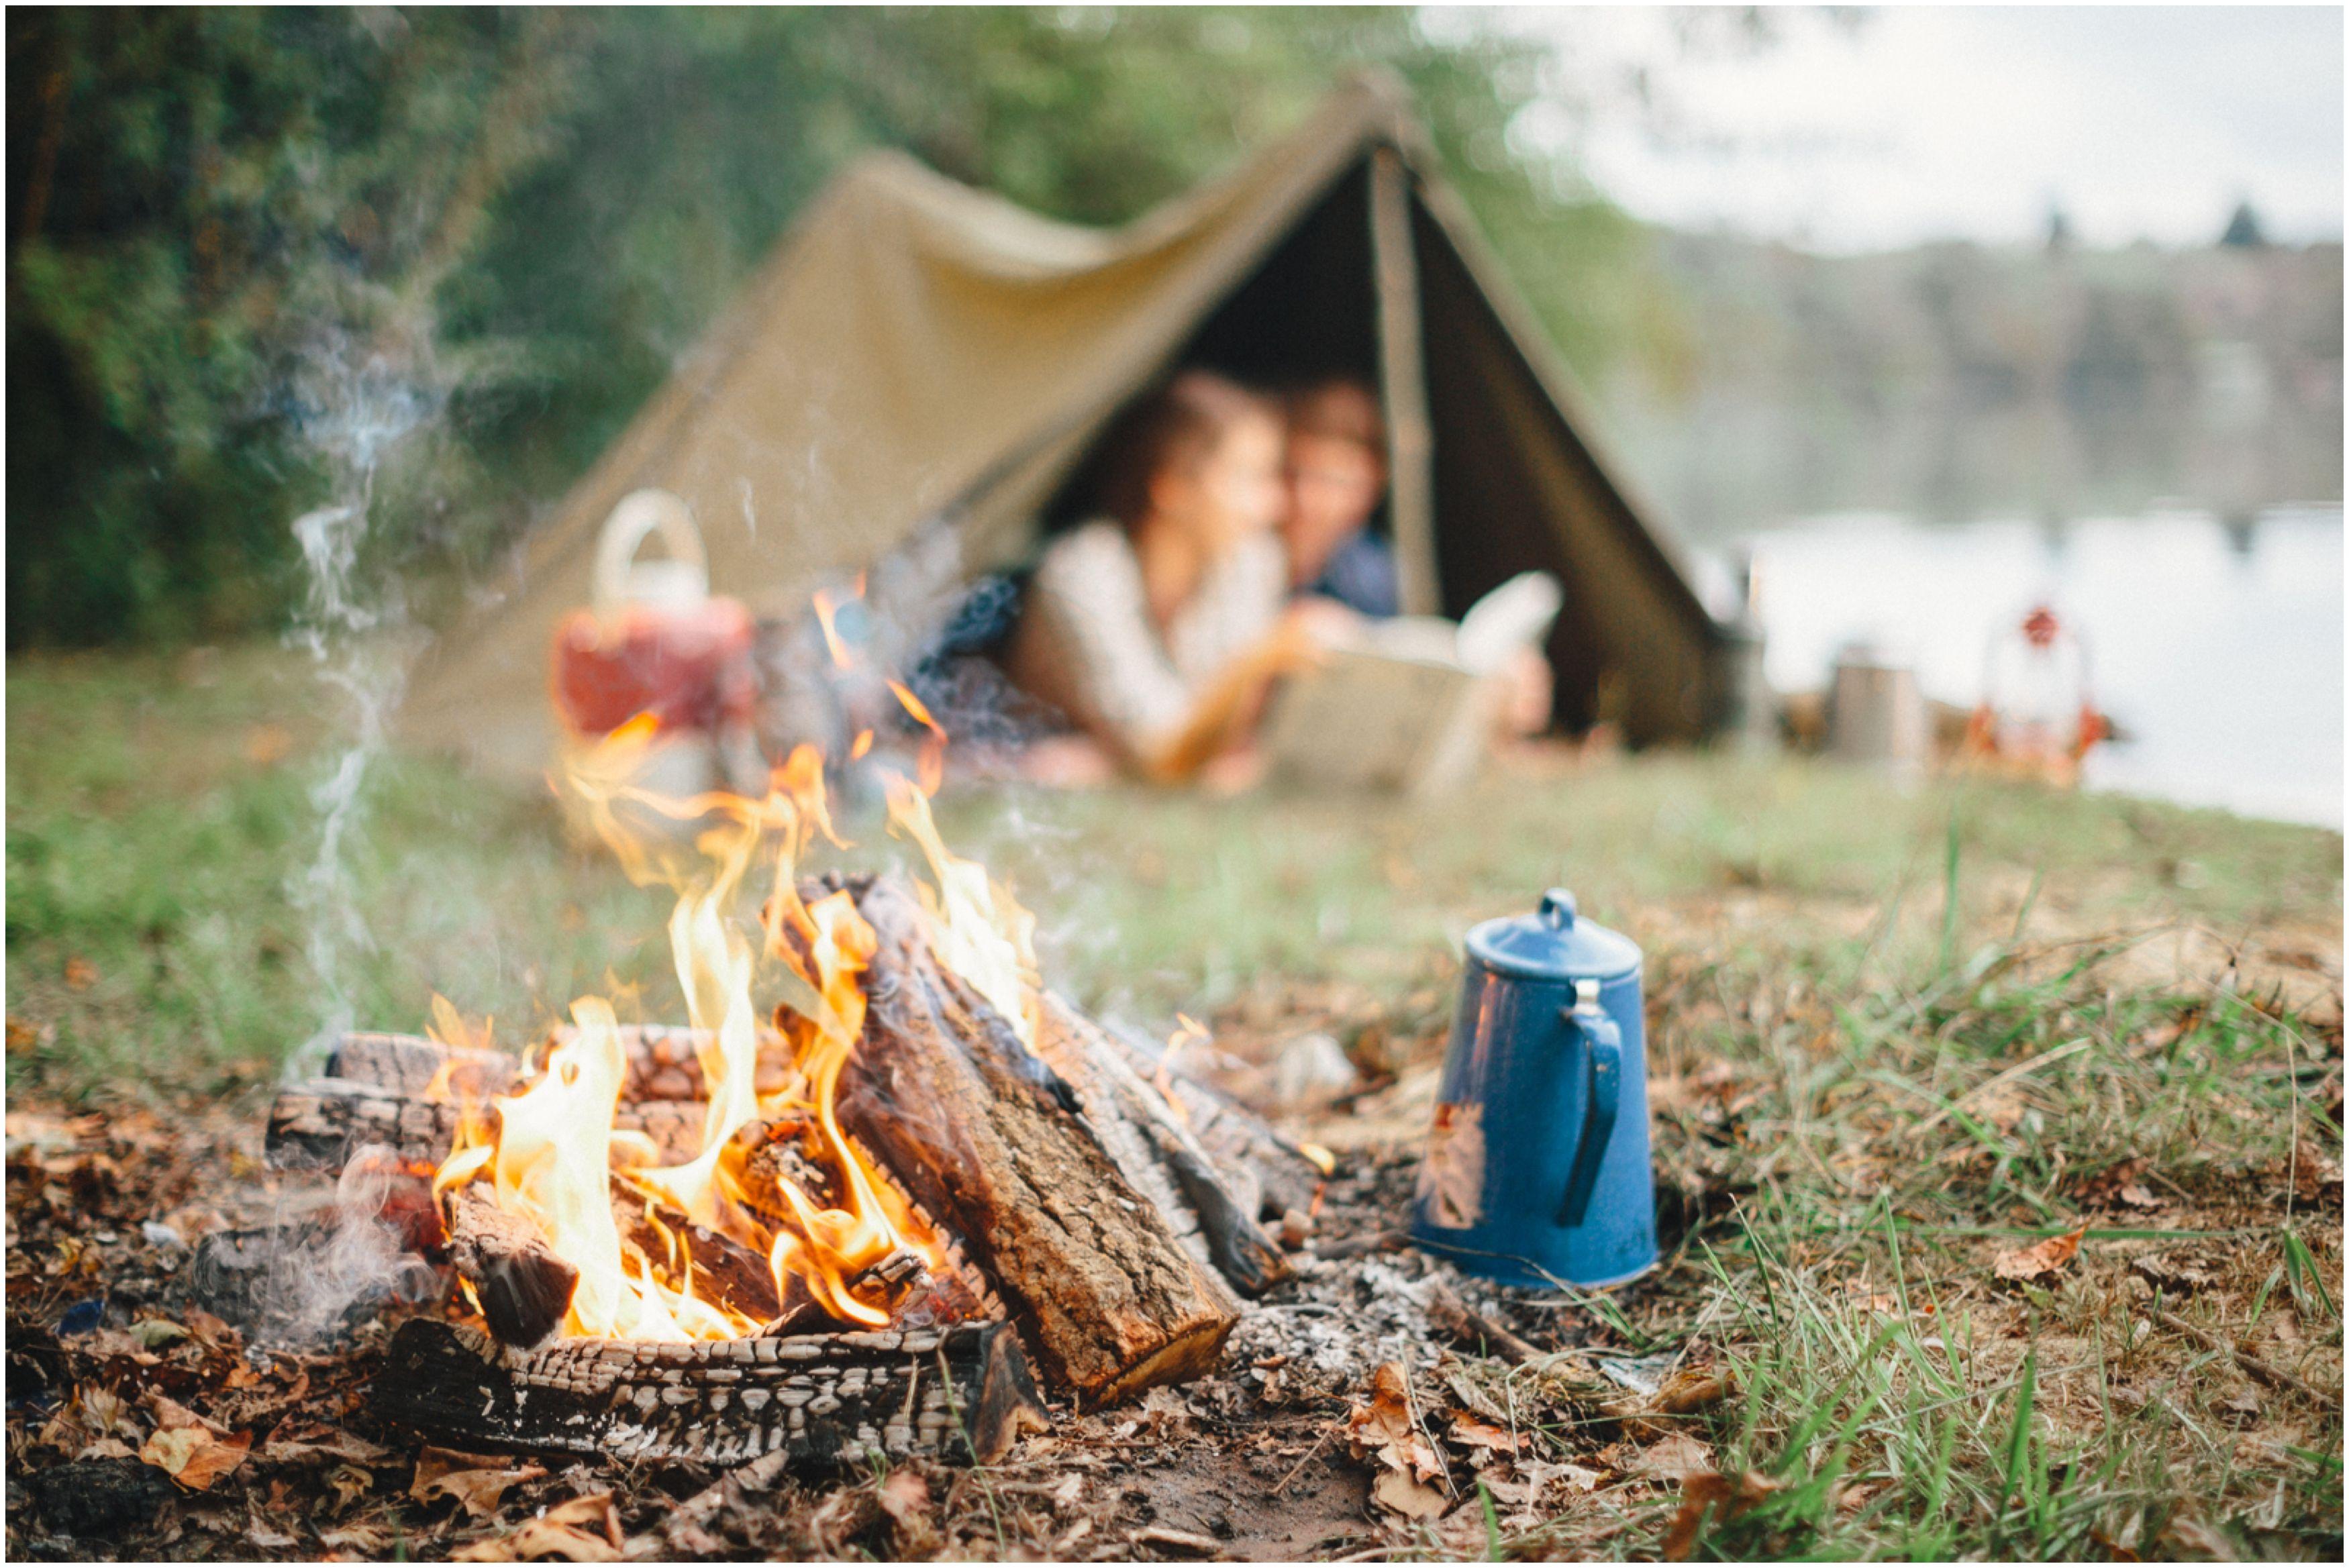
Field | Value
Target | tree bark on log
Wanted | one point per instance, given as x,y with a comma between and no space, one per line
825,1400
1153,1146
986,1136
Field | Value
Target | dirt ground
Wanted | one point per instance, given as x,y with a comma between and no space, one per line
1633,1432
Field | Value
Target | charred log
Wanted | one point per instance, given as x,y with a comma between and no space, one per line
985,1135
1152,1144
824,1400
722,1270
523,1286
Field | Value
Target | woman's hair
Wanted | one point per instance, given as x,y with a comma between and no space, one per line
1176,430
1338,409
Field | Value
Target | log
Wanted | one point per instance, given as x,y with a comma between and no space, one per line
524,1287
725,1272
987,1136
320,1124
1245,1150
1153,1145
99,1497
825,1400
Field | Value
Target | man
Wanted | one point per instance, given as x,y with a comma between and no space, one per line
1337,474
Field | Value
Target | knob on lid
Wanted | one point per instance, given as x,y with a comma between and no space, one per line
1553,943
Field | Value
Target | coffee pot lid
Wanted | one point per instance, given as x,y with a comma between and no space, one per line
1553,943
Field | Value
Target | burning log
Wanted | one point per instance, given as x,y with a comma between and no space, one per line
523,1285
320,1124
959,1393
1153,1146
987,1137
724,1272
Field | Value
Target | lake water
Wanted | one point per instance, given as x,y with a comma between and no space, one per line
2216,646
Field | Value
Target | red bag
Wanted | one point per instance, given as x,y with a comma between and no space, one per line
686,665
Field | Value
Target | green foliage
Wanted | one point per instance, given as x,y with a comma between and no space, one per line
521,219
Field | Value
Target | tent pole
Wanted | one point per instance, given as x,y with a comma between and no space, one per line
1411,444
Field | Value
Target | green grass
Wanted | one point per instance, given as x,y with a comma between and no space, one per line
1891,1035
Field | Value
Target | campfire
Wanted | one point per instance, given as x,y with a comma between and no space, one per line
877,1190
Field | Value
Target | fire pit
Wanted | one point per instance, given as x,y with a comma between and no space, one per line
881,1188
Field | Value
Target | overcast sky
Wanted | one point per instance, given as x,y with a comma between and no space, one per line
1931,122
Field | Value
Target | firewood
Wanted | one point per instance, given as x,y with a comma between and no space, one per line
725,1272
826,1400
320,1124
987,1137
1245,1150
523,1285
1153,1145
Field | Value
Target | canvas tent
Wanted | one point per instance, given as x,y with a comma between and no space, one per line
917,350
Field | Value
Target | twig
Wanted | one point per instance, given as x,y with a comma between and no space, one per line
1463,1323
1358,1246
2274,1376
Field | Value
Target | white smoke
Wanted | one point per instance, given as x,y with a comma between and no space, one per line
355,408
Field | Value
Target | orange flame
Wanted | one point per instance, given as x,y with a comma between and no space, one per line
931,766
550,1152
826,608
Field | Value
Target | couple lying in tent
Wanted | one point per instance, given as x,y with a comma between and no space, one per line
1233,548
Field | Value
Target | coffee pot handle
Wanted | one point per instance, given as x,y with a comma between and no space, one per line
1603,1088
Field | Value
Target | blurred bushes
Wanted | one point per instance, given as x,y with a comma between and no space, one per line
517,221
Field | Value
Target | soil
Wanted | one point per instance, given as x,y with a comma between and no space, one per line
109,1356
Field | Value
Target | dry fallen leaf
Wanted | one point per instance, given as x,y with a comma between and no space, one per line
1675,1457
192,1456
1412,1499
1467,1429
1725,1497
1691,1389
595,1512
2041,1259
476,1480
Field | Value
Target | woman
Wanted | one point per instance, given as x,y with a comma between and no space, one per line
1158,628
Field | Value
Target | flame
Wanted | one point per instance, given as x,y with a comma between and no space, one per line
550,1152
931,765
827,606
975,927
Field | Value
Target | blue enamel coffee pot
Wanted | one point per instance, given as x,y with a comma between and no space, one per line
1537,1170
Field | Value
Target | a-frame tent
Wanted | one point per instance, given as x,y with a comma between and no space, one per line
917,350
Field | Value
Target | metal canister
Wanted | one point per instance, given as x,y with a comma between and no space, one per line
1537,1170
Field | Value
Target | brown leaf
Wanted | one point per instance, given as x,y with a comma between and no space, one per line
1691,1389
478,1481
2042,1260
1708,1492
360,1540
1674,1459
1399,1493
192,1456
594,1512
1467,1429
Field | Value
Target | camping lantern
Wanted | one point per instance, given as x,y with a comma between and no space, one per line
1536,1169
655,641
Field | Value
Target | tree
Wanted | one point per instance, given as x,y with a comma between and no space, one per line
248,242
